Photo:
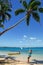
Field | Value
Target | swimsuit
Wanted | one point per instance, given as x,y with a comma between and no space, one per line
29,54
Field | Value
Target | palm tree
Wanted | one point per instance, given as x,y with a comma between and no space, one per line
4,9
30,9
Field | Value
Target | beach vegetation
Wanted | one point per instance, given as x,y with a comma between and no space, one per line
32,8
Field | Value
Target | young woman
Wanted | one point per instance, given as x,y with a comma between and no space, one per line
30,52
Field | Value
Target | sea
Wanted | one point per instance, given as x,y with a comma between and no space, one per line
37,52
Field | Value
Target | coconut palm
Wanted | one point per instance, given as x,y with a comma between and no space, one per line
30,9
4,9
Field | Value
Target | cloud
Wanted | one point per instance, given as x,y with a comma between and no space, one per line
20,41
24,39
39,40
25,36
32,38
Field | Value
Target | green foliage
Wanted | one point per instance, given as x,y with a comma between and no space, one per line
31,1
36,16
8,16
4,12
34,3
31,8
41,10
19,11
25,4
1,25
35,8
9,10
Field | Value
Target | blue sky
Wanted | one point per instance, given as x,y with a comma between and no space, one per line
22,35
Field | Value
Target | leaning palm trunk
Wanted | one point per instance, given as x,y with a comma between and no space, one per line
13,25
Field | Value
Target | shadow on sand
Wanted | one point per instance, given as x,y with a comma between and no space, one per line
36,62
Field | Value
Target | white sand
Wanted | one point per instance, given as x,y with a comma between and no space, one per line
22,60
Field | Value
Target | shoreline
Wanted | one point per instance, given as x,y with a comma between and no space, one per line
21,59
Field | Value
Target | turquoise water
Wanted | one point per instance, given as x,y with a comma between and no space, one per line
35,50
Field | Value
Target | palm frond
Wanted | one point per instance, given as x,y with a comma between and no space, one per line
9,10
5,7
34,3
36,16
19,11
1,21
4,12
35,8
1,25
25,4
3,17
41,10
31,1
8,16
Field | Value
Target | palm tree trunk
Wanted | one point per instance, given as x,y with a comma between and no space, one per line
13,26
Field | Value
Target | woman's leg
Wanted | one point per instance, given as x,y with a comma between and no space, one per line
28,59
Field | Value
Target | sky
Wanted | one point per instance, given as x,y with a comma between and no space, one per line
22,35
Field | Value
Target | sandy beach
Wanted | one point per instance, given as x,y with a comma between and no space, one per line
19,63
22,60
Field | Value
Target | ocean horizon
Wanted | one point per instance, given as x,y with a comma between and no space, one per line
35,50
